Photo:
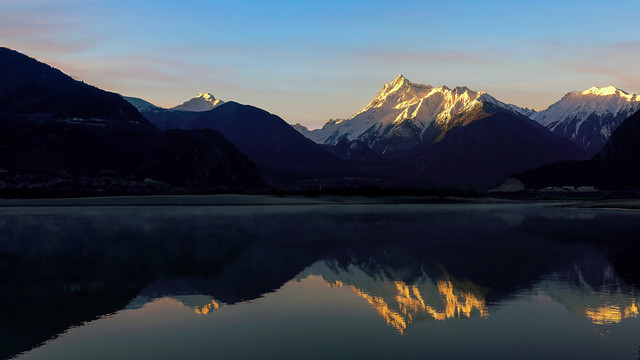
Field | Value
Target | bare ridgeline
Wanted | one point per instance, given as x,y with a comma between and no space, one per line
62,137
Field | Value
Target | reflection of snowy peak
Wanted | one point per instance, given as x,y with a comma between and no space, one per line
589,117
596,292
201,304
405,110
202,102
400,303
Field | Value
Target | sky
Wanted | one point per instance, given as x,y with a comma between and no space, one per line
310,61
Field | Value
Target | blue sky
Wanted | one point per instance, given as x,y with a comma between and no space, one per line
311,61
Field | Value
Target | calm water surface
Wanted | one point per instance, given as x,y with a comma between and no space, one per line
319,281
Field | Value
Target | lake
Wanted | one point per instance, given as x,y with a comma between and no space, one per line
318,281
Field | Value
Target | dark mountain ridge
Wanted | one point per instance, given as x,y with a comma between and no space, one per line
617,166
61,137
282,153
487,149
28,86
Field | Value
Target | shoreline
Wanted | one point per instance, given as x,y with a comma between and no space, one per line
245,200
619,204
288,200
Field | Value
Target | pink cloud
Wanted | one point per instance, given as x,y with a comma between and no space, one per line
38,27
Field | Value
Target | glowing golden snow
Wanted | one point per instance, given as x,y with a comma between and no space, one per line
422,102
611,314
400,101
611,90
410,304
205,309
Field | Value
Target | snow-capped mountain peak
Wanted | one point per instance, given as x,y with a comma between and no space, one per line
400,101
595,100
206,97
397,93
398,80
202,102
425,103
589,117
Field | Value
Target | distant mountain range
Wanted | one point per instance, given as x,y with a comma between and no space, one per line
463,136
386,141
61,137
408,131
404,114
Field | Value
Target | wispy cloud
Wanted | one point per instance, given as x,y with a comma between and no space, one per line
45,27
138,67
52,46
608,63
474,57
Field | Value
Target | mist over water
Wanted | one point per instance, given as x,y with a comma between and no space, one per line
318,281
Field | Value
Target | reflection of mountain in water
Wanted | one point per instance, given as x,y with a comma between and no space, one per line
90,262
591,288
611,313
588,287
201,304
392,257
401,303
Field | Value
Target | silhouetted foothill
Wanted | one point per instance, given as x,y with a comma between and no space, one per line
617,166
61,137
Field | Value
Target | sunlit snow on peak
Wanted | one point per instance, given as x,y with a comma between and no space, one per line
399,78
589,117
202,102
603,91
206,96
581,104
401,100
